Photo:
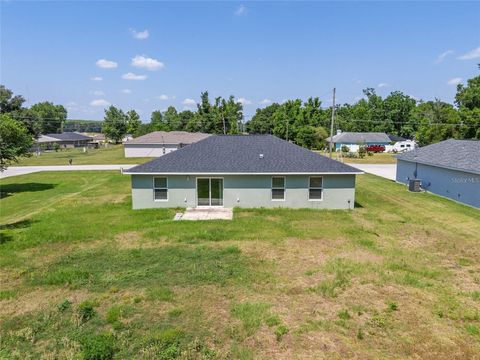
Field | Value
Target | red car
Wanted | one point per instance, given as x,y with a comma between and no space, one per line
375,148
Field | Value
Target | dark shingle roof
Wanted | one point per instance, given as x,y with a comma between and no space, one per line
70,136
359,137
237,154
168,137
463,155
395,137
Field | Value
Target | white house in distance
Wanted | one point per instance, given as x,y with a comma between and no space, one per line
159,143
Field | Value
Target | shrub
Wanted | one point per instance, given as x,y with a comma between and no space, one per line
67,304
98,347
280,331
86,310
360,335
361,152
345,149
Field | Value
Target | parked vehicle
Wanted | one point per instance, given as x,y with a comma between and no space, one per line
375,148
402,146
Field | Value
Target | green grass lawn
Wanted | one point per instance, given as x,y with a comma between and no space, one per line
113,154
84,276
373,158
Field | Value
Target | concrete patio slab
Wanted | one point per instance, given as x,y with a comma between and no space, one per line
387,171
195,214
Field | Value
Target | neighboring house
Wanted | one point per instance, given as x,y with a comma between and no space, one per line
353,140
71,139
99,139
245,171
44,143
159,143
450,168
395,138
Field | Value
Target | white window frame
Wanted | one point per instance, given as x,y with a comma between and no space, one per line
315,188
284,188
160,188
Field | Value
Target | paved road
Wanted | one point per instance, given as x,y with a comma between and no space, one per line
388,171
22,170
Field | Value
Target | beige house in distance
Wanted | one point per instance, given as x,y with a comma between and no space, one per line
159,143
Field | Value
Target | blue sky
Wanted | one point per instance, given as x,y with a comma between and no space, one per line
149,55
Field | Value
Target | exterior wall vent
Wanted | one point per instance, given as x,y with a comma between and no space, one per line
261,156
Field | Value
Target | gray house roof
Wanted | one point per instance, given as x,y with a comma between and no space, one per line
69,136
240,154
463,155
360,137
168,137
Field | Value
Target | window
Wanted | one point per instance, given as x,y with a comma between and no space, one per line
315,188
278,188
160,189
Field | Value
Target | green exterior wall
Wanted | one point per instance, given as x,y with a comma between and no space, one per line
247,191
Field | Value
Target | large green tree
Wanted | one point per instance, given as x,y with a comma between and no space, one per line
15,140
52,117
133,123
115,124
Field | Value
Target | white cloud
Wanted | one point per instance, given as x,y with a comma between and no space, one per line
241,10
265,102
189,102
96,78
166,97
443,55
472,54
99,102
454,81
244,101
151,64
98,93
132,76
106,64
126,91
381,85
140,35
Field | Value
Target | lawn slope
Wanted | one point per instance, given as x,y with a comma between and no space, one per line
84,276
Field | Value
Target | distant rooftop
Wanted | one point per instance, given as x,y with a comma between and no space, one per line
360,137
168,137
463,155
69,136
243,154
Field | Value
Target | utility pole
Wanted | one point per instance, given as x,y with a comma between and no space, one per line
331,124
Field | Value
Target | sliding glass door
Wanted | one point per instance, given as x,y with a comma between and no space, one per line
209,192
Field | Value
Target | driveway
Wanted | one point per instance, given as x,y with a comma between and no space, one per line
22,170
387,171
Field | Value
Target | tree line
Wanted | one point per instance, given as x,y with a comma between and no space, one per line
428,122
304,122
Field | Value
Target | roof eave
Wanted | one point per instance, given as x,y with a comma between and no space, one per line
243,173
441,166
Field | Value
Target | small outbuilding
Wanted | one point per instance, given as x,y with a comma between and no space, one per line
450,168
159,143
353,140
243,171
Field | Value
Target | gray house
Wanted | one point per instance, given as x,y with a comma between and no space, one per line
449,168
244,171
159,143
71,139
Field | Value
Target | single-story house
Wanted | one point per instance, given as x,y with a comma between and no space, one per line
353,140
159,143
450,168
71,139
243,171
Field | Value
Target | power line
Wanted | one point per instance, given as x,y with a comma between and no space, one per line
338,119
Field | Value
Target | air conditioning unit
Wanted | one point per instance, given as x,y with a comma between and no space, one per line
414,185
